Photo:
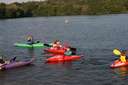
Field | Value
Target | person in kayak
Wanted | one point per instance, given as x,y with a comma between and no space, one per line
1,61
56,44
121,54
30,40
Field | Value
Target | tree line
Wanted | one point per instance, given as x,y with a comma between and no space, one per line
62,8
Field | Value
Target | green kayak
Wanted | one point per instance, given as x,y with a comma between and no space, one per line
24,45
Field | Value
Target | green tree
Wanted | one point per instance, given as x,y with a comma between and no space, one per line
2,10
63,7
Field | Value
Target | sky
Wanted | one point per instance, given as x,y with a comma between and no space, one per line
10,1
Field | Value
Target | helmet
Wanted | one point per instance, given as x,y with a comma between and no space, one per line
56,41
122,49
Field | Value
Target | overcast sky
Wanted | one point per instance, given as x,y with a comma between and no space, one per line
10,1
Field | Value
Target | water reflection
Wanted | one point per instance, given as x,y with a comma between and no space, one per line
31,52
61,65
122,71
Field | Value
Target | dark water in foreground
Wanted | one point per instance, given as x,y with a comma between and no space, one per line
94,36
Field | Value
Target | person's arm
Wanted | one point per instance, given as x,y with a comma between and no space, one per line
7,62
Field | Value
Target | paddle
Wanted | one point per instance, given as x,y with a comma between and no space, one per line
71,48
37,42
117,52
48,45
13,59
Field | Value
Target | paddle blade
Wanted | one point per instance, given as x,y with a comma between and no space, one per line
67,46
116,52
48,45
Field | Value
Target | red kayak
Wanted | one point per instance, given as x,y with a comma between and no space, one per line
55,51
118,63
63,58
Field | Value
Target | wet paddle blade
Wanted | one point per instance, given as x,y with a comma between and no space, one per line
116,52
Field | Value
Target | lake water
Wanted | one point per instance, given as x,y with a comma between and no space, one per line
94,36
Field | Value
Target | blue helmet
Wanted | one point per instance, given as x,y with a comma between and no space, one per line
122,49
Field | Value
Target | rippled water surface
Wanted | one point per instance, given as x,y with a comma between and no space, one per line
94,36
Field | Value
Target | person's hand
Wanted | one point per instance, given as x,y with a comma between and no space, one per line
7,62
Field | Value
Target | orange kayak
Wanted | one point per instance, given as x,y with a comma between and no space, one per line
55,51
118,63
63,58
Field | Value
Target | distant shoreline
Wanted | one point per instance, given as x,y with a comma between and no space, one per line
15,1
66,16
62,8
